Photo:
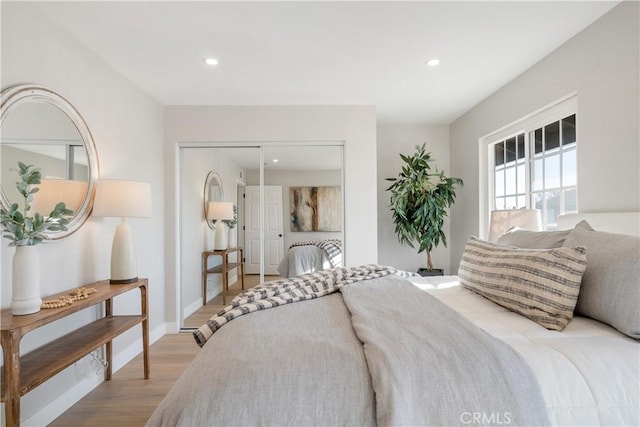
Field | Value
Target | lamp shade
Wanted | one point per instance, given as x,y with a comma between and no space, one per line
502,220
122,199
220,210
53,191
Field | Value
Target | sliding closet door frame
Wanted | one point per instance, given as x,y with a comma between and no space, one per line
261,145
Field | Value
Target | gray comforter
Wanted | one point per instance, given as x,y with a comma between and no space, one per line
379,352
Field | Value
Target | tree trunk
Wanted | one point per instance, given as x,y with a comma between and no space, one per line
429,263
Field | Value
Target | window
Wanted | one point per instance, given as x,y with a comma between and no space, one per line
532,164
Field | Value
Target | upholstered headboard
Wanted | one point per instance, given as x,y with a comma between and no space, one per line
612,222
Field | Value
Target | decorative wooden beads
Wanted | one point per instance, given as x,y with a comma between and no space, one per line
75,295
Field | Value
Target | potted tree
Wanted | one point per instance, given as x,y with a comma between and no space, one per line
420,198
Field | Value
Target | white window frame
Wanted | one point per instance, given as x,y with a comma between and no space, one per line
555,111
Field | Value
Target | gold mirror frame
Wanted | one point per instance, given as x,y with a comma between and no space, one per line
212,178
13,97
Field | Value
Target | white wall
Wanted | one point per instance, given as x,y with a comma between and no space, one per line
601,64
394,139
127,126
355,125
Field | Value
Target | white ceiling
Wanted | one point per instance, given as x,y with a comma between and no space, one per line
325,53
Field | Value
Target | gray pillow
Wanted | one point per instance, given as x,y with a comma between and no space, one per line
533,239
610,290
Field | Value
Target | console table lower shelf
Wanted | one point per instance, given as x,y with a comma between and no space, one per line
22,374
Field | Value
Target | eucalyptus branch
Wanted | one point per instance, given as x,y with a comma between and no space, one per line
22,229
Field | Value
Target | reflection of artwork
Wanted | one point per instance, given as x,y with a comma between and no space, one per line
315,208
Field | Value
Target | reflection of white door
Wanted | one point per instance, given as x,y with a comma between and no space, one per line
274,242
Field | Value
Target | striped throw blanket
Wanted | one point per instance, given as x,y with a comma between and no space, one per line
286,291
333,248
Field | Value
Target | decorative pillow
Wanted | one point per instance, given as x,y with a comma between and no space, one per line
540,284
520,238
610,289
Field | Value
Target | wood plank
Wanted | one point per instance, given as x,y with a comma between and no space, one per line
44,362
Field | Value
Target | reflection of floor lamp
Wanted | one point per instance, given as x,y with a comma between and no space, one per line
219,211
122,199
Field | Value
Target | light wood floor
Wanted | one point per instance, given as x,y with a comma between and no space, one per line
128,400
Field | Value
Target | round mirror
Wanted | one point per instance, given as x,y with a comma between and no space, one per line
39,127
212,193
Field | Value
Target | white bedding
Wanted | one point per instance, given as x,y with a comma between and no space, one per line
589,373
303,259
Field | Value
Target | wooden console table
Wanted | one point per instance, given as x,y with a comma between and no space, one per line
224,268
23,373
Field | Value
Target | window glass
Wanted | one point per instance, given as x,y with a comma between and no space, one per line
521,150
536,175
510,181
511,149
552,172
537,138
569,130
569,172
499,153
551,136
500,183
521,179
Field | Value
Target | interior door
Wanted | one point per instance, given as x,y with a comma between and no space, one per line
273,233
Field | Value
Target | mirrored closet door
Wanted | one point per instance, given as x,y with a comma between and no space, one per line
258,180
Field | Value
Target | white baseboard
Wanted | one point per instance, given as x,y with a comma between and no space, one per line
69,398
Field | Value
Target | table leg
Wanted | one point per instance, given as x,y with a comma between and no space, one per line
108,345
204,279
241,262
145,329
11,354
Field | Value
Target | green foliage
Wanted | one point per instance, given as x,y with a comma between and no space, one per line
231,223
420,199
22,229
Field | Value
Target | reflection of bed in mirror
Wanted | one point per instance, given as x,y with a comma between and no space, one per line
311,256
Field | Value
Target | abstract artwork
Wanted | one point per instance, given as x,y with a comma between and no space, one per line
315,208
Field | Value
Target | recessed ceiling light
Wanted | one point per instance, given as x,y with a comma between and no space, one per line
211,61
433,62
275,160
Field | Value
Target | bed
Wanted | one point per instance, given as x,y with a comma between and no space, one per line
373,346
310,256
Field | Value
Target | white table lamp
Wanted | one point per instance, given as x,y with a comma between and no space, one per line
219,211
122,199
502,220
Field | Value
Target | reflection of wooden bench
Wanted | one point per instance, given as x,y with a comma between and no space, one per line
224,268
23,373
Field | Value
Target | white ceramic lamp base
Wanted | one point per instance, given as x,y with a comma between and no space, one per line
123,258
220,242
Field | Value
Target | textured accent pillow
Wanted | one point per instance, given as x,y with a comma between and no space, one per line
540,284
610,289
533,239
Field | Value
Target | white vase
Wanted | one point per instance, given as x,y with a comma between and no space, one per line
233,238
25,298
221,236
